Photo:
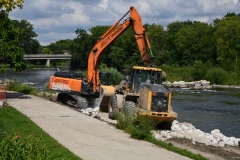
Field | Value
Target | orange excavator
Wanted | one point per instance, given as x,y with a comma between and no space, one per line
92,93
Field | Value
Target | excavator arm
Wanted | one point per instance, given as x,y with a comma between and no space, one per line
112,34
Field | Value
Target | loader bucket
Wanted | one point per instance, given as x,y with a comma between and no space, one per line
108,92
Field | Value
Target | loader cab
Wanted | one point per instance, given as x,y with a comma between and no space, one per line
141,76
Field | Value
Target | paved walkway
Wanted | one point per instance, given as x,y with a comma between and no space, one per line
85,136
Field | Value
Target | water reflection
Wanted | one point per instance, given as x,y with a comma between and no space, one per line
209,109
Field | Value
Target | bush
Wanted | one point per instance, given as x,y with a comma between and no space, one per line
217,76
198,71
139,127
234,79
14,147
116,75
22,88
175,73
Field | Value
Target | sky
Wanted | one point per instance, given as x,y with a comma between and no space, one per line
55,20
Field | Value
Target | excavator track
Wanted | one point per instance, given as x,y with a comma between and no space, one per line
80,102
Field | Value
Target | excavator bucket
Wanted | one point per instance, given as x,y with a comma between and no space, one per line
102,101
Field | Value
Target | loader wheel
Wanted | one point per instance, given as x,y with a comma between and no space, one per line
129,108
164,126
112,107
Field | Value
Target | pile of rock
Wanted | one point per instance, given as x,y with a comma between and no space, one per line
226,86
188,131
90,111
202,84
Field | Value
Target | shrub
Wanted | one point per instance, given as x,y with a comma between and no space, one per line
22,88
234,78
122,121
198,71
175,73
217,76
116,75
139,127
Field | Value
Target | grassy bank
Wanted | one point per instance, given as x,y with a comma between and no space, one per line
141,128
15,123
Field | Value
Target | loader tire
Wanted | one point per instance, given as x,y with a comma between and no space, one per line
112,107
129,108
164,126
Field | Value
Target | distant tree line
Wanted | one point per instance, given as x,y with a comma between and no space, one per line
181,44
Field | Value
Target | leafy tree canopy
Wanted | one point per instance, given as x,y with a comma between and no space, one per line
9,5
11,52
227,36
27,37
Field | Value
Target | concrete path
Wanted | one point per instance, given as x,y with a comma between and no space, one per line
85,136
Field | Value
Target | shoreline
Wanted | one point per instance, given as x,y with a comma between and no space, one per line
202,84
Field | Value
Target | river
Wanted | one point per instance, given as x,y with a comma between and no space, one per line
205,109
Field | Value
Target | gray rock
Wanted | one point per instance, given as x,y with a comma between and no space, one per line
187,130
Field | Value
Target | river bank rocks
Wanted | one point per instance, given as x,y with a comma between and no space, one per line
188,131
202,84
93,112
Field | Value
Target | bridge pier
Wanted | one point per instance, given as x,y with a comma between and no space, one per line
48,62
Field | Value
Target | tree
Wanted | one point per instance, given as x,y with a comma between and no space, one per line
46,51
189,41
9,5
11,52
117,57
27,37
195,42
156,35
227,35
60,46
170,54
81,48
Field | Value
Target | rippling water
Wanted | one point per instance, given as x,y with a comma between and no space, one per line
205,109
209,109
37,78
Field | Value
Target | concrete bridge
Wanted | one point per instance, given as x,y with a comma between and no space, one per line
47,57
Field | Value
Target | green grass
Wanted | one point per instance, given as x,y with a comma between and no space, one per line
172,148
15,123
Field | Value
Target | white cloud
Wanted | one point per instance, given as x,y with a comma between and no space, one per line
51,37
58,19
103,4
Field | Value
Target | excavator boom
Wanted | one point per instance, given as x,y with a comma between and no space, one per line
112,34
